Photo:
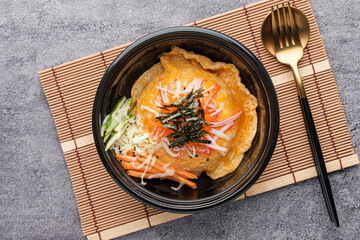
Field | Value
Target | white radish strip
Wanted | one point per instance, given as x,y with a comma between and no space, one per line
209,89
216,112
153,161
208,150
193,149
146,162
161,133
140,166
176,149
187,150
167,172
191,154
211,99
220,134
216,117
212,106
157,147
178,187
158,101
148,159
222,153
224,129
178,89
156,133
165,89
197,83
214,145
165,144
226,121
204,150
166,95
149,109
217,147
210,138
162,93
189,87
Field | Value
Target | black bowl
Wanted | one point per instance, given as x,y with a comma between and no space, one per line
143,54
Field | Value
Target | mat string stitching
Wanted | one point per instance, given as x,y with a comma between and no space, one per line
77,152
147,216
322,104
324,110
259,56
196,26
252,33
286,155
103,58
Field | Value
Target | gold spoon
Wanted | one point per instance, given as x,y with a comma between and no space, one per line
285,33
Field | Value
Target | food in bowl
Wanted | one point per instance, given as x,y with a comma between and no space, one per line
186,115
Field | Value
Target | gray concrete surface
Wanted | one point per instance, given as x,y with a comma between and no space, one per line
37,201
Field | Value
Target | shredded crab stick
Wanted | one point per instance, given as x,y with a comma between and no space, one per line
190,107
226,121
211,116
205,101
149,109
159,169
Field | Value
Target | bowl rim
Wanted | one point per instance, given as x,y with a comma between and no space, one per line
168,204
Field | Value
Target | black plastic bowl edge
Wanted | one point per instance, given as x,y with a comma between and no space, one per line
122,58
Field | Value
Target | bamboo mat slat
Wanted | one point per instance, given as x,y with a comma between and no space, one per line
106,211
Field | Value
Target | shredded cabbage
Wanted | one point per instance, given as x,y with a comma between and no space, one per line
134,138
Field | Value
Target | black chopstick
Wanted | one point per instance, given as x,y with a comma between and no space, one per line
319,160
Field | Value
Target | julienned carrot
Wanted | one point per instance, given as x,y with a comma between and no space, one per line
153,170
161,164
124,158
205,101
129,166
179,171
174,178
179,159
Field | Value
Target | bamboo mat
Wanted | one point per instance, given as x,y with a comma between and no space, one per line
106,211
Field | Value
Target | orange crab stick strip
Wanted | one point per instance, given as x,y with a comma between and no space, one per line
205,101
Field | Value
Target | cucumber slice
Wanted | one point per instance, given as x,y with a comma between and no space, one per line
102,131
119,104
115,137
112,140
120,126
111,124
116,122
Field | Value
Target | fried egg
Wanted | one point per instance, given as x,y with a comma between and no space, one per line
182,66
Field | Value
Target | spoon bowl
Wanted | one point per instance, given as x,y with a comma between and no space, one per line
301,22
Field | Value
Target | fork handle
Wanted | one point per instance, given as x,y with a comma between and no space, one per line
315,147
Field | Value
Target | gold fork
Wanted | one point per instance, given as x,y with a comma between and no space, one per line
287,44
288,48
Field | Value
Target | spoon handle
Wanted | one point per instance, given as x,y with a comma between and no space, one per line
315,147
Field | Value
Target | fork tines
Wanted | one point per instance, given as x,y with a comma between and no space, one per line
285,32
